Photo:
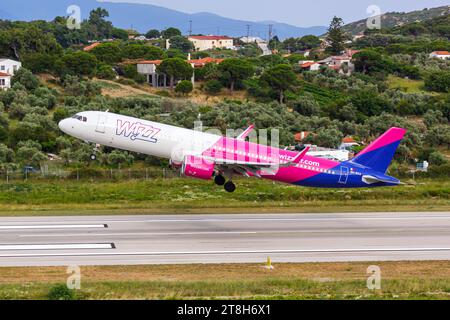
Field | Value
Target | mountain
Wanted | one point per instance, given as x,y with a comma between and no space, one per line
394,19
143,17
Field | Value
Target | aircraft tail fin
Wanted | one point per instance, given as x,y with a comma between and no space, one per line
378,155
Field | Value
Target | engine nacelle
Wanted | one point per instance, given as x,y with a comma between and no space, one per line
197,167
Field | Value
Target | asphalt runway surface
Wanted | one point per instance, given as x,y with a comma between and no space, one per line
232,238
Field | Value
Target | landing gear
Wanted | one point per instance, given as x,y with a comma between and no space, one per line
230,186
96,149
219,180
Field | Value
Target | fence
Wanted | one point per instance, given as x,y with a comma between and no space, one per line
90,173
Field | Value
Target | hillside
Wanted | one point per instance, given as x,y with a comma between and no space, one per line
145,17
394,19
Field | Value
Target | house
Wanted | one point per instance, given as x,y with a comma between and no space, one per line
9,66
202,43
309,65
348,143
444,55
5,81
342,63
148,68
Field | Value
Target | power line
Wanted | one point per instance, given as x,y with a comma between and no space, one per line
248,31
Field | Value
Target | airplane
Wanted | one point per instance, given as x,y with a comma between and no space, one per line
210,156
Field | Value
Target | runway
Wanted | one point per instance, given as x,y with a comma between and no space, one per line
232,238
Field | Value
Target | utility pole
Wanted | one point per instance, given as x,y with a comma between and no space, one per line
248,32
270,31
190,27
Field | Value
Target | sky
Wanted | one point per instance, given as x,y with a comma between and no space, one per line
296,12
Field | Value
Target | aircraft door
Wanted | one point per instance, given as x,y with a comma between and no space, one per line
101,124
344,175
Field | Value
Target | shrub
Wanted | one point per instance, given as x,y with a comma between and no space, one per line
61,292
213,86
106,72
184,87
437,158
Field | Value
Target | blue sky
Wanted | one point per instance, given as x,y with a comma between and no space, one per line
297,12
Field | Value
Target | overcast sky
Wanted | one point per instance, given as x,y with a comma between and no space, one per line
297,12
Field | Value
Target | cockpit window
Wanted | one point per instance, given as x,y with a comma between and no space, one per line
80,118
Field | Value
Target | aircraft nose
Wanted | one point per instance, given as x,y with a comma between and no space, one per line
64,125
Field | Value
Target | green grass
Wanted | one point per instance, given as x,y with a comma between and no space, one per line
190,195
406,85
340,280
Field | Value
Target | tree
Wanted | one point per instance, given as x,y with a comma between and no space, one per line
181,43
153,34
213,86
235,69
119,34
438,81
280,78
175,68
109,52
437,158
170,32
26,78
336,35
184,87
370,103
99,28
369,61
143,51
78,63
106,72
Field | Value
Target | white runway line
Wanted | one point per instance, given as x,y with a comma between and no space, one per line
193,253
56,246
53,226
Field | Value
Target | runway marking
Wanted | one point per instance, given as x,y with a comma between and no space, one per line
10,247
181,253
280,219
54,226
139,234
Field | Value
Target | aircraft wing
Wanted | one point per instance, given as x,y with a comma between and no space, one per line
246,167
245,134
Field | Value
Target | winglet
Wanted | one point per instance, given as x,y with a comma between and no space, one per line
301,155
245,134
298,157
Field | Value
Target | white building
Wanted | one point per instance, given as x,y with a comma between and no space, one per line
202,43
9,66
5,81
440,55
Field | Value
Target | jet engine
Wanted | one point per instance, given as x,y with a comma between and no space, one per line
197,167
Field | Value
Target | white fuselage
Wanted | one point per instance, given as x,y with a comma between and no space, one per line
137,135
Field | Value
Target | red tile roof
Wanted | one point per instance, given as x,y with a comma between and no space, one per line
92,46
196,62
2,74
441,53
157,62
308,64
348,140
210,37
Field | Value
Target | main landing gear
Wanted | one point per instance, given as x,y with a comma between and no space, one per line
220,180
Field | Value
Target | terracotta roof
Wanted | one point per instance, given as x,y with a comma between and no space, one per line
157,62
2,74
308,64
210,37
195,62
203,61
301,135
348,140
442,53
92,46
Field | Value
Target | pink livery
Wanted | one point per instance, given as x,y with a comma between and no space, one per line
211,156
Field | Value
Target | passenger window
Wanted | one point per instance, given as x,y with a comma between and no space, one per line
84,119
